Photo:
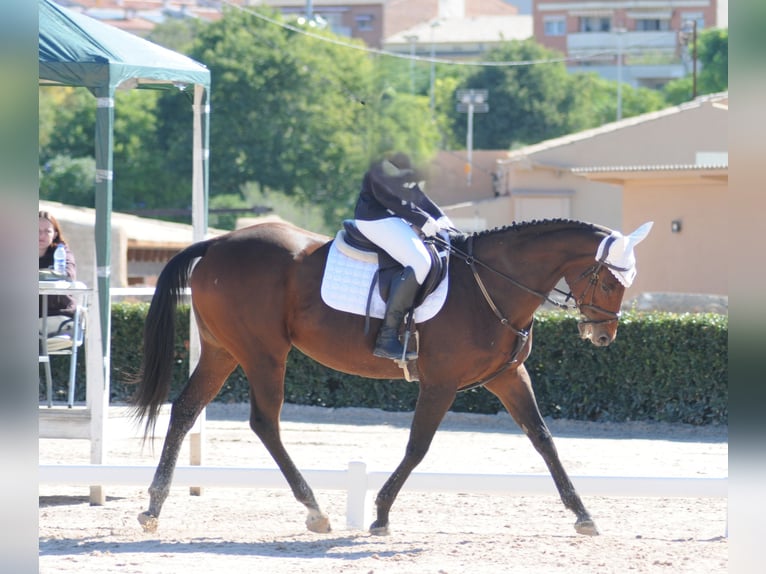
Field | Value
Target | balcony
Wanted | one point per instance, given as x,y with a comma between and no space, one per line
587,43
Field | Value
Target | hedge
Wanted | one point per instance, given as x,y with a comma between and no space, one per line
662,367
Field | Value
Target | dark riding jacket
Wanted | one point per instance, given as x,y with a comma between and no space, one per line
384,196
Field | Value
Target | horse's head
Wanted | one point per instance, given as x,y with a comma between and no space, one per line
599,289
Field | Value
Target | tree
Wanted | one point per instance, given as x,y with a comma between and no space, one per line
532,102
713,66
67,146
528,103
68,180
294,114
596,101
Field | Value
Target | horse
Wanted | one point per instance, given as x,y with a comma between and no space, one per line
256,294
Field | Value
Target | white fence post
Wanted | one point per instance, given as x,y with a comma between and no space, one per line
356,495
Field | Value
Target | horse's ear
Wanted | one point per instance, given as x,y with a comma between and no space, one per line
640,234
616,251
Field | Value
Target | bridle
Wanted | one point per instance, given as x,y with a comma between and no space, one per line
593,274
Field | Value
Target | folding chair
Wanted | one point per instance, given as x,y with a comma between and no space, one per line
65,344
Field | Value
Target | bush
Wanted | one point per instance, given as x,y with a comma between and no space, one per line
662,366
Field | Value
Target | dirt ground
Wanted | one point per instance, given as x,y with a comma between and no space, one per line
262,530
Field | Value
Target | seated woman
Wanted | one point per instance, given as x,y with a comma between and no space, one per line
61,308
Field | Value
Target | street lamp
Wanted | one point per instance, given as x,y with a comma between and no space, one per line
471,101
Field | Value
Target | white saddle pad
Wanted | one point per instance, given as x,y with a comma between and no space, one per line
346,286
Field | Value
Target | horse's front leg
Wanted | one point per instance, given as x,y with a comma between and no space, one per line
433,402
514,389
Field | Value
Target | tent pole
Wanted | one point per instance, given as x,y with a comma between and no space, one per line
200,154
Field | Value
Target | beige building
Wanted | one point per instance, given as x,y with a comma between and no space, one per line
670,167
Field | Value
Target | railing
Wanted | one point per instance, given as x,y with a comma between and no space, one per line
357,481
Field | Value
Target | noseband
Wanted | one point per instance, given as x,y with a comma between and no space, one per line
594,278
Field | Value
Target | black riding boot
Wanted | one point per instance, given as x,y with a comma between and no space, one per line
404,287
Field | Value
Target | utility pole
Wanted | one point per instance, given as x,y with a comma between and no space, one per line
690,29
412,40
471,101
619,32
431,92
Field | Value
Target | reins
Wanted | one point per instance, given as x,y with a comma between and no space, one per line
522,335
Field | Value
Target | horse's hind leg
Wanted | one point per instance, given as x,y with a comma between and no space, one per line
515,392
266,398
203,385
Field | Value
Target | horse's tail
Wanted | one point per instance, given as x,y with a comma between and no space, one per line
156,372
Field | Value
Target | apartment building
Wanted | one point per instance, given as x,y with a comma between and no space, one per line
641,42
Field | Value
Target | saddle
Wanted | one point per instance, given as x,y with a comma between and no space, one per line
388,267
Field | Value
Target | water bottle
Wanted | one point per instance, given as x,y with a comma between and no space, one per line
59,260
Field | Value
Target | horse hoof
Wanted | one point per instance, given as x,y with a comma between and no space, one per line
318,522
586,527
148,522
378,530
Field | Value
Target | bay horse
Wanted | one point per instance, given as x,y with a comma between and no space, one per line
256,294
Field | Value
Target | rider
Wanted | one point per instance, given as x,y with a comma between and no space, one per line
390,207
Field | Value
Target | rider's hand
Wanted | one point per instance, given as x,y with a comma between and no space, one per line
445,223
430,227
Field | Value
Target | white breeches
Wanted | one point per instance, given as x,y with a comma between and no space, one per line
400,241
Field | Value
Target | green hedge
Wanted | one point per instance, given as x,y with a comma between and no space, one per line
662,366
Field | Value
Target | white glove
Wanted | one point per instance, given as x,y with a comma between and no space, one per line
430,227
445,223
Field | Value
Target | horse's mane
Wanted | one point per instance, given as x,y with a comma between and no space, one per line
523,226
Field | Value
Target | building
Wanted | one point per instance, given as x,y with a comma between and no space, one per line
371,21
452,29
642,43
669,166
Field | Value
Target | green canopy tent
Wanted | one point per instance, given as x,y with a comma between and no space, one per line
76,50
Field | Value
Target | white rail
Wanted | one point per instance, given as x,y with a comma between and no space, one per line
357,481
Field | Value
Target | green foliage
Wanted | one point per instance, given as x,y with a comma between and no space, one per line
532,103
67,149
662,366
527,103
712,65
177,35
227,201
302,213
596,101
293,114
68,180
713,54
67,123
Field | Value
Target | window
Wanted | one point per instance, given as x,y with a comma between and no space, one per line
555,26
698,17
652,25
595,24
364,22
